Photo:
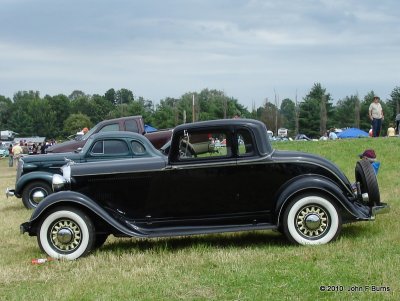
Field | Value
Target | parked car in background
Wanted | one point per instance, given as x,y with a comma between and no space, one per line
133,124
35,173
4,150
245,185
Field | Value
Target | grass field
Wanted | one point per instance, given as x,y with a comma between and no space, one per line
240,266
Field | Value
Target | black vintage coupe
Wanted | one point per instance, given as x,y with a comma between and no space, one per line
219,176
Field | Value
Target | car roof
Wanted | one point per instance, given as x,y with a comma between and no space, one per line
118,134
221,122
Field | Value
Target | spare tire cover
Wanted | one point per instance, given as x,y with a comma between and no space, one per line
365,175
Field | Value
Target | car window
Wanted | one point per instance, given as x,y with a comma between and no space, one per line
110,127
202,145
131,126
245,143
110,147
98,148
138,148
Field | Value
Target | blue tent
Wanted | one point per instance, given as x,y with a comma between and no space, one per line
149,128
352,133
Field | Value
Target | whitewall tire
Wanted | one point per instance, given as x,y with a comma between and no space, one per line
66,233
311,219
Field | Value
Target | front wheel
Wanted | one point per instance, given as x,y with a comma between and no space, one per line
66,233
311,219
34,193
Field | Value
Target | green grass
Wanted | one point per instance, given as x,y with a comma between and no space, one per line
238,266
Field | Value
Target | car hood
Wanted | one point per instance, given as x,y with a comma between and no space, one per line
70,145
36,159
119,166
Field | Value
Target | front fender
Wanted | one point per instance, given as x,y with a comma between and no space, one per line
30,177
72,198
324,185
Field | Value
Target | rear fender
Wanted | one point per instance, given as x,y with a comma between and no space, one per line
323,185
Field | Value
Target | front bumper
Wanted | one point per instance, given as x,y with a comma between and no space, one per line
10,192
25,227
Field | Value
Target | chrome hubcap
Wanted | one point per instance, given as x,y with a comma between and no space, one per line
312,221
38,195
65,235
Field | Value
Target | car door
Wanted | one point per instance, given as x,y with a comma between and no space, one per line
197,189
255,179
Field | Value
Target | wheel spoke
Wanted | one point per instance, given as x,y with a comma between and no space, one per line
312,221
65,235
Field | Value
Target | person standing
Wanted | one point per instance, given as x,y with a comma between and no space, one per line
10,156
17,151
376,116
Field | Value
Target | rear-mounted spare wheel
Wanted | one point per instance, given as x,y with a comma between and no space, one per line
365,175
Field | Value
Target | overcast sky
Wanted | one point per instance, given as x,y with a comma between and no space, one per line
157,49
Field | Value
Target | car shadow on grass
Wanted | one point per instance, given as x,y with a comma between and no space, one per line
256,239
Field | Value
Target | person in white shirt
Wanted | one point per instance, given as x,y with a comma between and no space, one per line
376,116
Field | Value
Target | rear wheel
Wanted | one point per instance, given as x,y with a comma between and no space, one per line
365,175
34,193
311,219
66,233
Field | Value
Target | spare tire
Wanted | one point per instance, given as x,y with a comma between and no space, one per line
365,175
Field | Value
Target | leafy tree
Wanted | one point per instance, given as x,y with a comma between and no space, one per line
124,96
82,105
164,115
288,112
269,114
111,96
60,106
25,113
76,94
345,113
76,122
5,111
394,102
100,108
310,111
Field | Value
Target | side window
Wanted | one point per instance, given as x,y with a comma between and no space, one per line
110,127
245,143
131,126
98,148
114,147
110,147
138,148
204,145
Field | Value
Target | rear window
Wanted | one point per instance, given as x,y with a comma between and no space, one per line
131,126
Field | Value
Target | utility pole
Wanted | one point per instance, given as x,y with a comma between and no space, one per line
193,110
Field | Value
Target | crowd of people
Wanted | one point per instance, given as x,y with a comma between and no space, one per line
22,148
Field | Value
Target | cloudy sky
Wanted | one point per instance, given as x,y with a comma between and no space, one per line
250,49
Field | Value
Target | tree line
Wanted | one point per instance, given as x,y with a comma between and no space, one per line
60,116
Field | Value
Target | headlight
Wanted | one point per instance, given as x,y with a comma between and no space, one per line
58,182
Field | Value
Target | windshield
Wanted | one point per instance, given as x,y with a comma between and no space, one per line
87,135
